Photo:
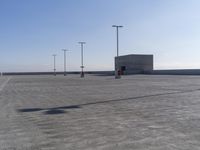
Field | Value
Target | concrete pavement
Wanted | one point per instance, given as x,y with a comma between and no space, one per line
140,112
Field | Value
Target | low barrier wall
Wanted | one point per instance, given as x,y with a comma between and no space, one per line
58,73
177,72
110,73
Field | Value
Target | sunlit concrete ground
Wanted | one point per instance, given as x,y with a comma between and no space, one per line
140,112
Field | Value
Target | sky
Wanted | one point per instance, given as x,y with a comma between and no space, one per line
31,31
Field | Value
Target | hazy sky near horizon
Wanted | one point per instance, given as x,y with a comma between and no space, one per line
32,30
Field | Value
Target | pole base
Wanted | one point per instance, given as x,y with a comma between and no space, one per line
117,77
117,74
82,74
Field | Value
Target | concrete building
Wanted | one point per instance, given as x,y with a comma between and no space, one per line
133,64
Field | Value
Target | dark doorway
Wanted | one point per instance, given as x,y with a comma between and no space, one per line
123,68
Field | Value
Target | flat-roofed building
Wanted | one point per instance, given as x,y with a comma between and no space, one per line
134,63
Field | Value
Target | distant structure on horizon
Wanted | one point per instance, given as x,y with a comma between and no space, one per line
134,64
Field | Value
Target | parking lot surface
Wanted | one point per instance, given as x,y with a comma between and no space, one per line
139,112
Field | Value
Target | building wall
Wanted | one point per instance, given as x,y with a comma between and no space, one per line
134,63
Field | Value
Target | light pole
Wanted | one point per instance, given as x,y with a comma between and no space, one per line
117,70
82,73
54,58
65,73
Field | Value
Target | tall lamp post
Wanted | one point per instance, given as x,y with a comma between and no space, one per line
117,70
65,73
82,66
54,68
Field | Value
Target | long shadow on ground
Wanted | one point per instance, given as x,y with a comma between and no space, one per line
60,110
50,111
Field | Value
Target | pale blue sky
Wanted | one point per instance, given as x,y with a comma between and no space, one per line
32,30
